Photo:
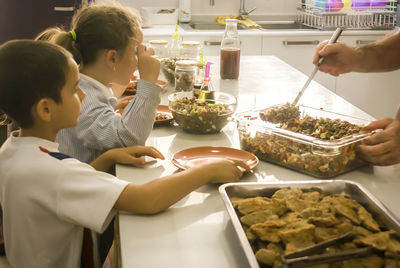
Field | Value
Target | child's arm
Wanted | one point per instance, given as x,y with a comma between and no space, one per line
149,67
161,193
129,156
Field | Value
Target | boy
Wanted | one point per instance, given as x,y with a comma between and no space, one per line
48,197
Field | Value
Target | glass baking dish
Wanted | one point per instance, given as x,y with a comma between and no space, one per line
307,154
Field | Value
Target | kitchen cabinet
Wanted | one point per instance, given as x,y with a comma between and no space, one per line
26,18
376,93
298,52
251,45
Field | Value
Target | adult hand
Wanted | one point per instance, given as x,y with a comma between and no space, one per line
339,58
132,155
383,148
148,66
226,170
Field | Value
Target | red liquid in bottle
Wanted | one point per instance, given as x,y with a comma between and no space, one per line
230,63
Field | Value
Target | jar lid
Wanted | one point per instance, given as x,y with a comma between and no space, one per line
190,43
186,63
158,42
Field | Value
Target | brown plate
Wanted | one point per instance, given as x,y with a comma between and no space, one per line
199,155
163,110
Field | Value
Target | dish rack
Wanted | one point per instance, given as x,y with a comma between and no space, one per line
349,14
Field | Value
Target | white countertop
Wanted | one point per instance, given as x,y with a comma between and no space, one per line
196,231
162,30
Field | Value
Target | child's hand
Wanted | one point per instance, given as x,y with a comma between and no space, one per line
225,170
131,155
149,67
123,102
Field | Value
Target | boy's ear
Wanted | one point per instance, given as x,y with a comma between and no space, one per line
111,58
42,109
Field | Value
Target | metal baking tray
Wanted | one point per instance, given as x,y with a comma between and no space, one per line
252,189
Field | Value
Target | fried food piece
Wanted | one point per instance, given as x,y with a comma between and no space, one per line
249,205
250,235
380,240
372,261
367,219
297,235
297,204
313,196
266,232
346,207
259,217
345,227
287,193
267,256
391,263
324,233
326,220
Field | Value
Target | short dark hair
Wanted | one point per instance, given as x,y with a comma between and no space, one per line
29,71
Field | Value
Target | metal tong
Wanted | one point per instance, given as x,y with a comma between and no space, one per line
333,39
311,256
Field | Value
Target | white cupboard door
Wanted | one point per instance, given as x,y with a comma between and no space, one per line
376,93
298,51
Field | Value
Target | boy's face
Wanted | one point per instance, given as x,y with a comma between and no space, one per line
128,62
67,111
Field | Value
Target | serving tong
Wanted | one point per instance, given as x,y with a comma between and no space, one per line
311,256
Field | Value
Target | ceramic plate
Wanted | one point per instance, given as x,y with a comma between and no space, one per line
199,155
163,116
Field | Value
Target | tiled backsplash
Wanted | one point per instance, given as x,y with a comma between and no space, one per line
221,7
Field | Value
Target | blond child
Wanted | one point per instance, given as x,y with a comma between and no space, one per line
106,42
48,197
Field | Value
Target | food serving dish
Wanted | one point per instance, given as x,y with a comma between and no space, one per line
163,116
199,155
201,116
245,200
318,151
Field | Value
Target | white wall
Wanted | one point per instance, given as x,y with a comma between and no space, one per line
221,7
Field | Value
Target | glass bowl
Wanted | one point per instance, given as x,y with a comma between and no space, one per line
201,116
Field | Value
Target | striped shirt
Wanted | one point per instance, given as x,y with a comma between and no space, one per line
100,128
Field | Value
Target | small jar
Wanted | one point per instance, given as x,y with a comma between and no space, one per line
185,75
190,49
160,48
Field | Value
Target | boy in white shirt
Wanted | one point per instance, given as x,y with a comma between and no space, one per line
48,197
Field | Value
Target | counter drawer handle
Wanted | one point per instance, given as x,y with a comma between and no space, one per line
212,43
364,42
64,8
299,43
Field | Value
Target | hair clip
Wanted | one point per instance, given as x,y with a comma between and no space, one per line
73,34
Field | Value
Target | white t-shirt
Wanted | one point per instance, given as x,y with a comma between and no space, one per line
47,199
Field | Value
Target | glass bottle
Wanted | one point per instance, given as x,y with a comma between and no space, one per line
230,51
206,91
185,75
174,46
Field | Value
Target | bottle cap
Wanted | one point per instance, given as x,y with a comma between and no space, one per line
158,42
207,72
190,43
186,63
